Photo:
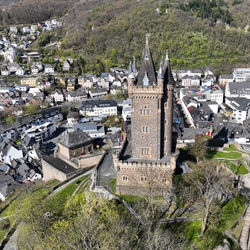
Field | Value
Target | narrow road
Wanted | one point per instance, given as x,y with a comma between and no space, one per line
245,233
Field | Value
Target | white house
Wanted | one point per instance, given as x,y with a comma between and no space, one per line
240,107
97,92
20,71
188,80
58,96
40,132
98,107
48,69
241,74
238,89
11,153
126,110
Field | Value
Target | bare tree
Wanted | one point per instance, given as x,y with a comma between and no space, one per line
211,182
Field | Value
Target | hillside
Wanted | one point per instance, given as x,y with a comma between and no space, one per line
106,33
116,31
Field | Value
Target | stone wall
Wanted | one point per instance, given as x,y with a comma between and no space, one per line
138,178
51,173
89,161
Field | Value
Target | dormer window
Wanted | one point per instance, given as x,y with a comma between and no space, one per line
145,80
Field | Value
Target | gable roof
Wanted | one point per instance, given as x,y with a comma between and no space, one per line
75,139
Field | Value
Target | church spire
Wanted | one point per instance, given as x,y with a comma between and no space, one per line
161,70
130,71
147,66
134,67
168,72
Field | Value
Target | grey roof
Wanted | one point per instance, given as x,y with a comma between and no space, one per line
4,167
72,114
98,103
226,76
60,165
85,126
75,139
239,87
239,103
147,68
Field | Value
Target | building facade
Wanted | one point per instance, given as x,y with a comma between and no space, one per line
147,158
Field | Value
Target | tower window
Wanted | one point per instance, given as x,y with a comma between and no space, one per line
125,178
145,151
145,111
164,180
143,179
145,129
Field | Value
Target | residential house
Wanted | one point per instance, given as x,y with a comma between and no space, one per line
7,186
67,64
32,81
240,108
91,128
188,80
238,89
103,84
40,132
48,69
97,92
75,96
74,144
241,74
98,107
224,79
126,110
72,118
10,152
5,71
58,96
20,71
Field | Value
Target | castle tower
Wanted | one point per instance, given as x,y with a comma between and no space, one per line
146,159
151,114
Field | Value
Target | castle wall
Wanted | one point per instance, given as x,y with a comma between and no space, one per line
144,178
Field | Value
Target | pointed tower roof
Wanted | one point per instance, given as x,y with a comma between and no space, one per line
130,71
134,67
147,67
168,77
160,74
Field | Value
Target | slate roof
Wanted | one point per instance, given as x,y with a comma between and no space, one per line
147,68
98,103
75,139
239,87
60,165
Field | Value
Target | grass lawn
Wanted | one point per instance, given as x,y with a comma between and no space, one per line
66,192
2,233
238,169
131,198
112,184
211,154
231,211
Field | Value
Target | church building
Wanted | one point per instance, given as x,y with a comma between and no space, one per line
147,162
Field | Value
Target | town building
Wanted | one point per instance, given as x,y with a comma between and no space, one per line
146,162
74,144
98,107
188,80
240,108
241,74
238,89
40,132
224,79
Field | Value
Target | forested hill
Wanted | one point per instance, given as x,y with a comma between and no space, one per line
115,31
197,32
